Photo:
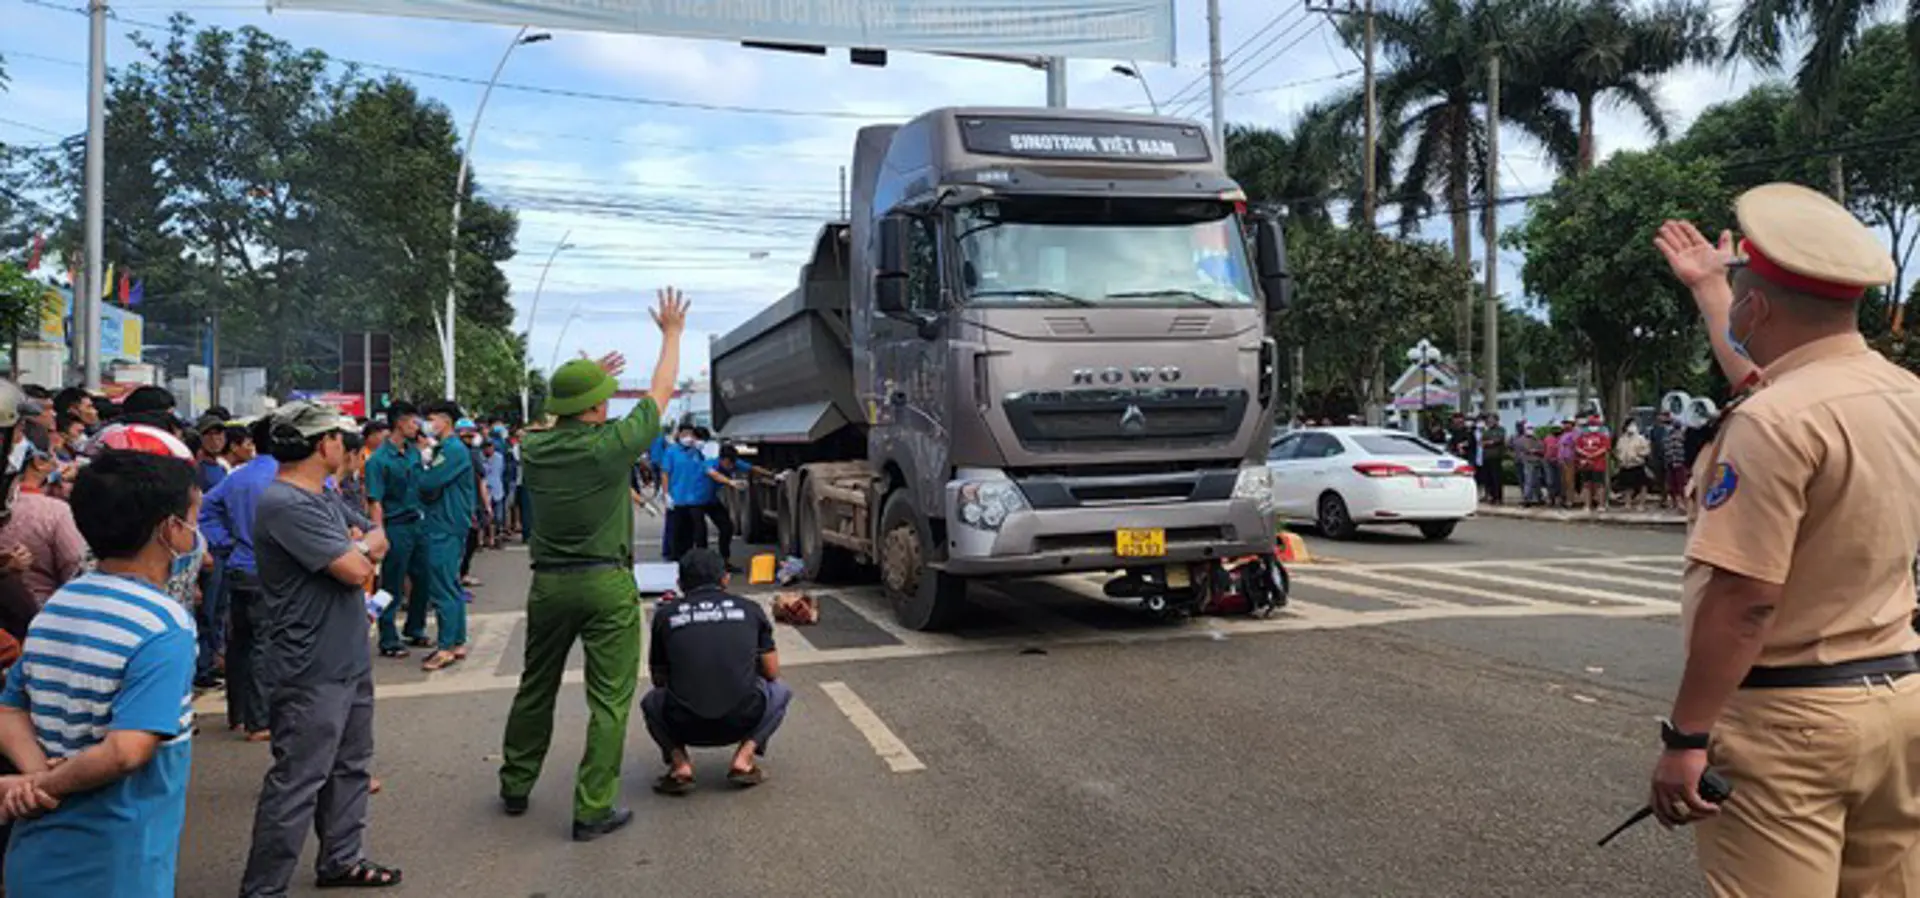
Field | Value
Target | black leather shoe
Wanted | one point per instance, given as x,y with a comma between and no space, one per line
587,832
515,805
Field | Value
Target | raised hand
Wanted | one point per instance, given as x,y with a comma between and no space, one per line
613,363
1691,257
670,315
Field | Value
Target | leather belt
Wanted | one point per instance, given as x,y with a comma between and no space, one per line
402,518
1846,673
571,567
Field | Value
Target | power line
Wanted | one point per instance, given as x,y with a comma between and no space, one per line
1181,95
31,127
1236,68
1276,55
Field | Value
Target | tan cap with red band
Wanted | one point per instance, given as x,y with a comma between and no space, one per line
1802,240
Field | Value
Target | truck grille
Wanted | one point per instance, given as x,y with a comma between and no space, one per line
1080,420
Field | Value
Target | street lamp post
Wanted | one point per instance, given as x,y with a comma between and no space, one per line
1132,70
1424,355
526,336
562,339
459,199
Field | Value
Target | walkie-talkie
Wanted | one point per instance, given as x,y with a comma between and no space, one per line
1713,787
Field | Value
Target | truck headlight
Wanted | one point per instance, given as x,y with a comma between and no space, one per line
985,504
1256,484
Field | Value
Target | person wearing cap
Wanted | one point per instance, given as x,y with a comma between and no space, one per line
448,495
312,565
583,585
1801,684
394,496
211,615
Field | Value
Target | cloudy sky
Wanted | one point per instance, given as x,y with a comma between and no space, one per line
708,166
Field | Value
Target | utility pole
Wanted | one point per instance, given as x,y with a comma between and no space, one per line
1490,390
1056,82
1369,198
1215,76
86,309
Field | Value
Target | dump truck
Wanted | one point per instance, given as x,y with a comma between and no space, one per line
1038,346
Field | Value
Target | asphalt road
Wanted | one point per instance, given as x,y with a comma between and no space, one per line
1462,718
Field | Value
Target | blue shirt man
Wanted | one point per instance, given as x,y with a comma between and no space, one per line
687,482
226,515
105,686
107,653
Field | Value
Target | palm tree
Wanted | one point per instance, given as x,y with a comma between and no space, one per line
1300,170
1763,29
1613,50
1431,98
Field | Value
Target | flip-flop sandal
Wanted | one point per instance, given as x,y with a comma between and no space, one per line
459,653
363,875
668,784
746,779
439,661
395,652
260,736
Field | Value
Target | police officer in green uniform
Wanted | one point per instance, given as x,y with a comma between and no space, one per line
448,494
583,588
392,487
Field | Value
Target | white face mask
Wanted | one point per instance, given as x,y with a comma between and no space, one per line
688,442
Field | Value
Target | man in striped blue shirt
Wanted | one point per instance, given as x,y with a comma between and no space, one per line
98,713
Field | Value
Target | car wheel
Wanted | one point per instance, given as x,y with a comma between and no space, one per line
1437,530
1334,519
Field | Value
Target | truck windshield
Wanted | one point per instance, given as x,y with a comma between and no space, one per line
1064,252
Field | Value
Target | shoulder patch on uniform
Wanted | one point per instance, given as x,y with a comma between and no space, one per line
1725,479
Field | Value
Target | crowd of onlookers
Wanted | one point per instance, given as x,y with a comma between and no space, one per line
145,558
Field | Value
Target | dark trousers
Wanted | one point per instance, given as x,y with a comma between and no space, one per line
246,652
689,526
473,545
671,729
1490,476
211,617
322,746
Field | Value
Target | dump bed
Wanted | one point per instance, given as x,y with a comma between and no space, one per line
786,375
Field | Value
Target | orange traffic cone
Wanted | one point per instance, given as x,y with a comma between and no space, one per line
1289,548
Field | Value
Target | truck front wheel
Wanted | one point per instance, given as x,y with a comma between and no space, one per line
923,598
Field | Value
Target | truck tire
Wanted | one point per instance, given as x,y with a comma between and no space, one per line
825,563
923,598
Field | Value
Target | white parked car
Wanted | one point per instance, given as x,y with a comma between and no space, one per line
1343,478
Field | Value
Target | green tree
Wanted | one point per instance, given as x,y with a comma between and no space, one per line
21,299
1533,353
1590,257
1363,298
1299,170
1756,138
1614,50
1831,31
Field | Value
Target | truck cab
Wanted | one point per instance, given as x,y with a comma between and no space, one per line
1059,360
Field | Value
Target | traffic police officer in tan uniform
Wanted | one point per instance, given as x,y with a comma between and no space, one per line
1800,682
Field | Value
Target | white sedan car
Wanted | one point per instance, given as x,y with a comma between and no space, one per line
1341,478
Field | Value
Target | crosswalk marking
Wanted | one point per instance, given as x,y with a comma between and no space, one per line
1015,616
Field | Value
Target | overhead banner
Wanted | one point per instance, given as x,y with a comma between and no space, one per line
1082,29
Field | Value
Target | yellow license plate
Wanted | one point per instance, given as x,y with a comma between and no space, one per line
1140,543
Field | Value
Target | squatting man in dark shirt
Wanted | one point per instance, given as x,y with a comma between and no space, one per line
716,677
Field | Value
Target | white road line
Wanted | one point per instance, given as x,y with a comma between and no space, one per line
1668,566
1419,586
1558,588
1368,591
1659,586
1637,560
899,758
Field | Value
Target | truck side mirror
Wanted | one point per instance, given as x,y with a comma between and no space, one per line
890,294
1270,257
895,235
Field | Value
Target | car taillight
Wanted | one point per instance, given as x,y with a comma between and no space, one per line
1382,469
1464,471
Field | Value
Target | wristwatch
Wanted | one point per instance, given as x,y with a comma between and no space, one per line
1677,740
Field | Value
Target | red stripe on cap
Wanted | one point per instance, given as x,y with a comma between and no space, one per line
1771,270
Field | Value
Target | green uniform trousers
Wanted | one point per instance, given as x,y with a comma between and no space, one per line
601,608
406,557
440,575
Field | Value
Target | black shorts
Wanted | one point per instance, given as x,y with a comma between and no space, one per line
1593,478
